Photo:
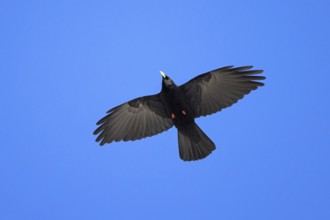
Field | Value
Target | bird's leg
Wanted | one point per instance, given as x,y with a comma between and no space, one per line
184,112
172,116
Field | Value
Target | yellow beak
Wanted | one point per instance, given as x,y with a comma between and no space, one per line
163,74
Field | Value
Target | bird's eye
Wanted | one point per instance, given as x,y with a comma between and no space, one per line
166,77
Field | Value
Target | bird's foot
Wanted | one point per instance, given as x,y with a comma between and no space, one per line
172,116
184,112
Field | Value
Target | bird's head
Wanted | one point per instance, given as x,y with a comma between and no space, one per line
167,81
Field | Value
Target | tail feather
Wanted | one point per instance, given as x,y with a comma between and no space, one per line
194,144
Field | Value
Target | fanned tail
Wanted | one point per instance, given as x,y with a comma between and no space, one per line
194,144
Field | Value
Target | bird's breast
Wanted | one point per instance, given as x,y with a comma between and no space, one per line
177,107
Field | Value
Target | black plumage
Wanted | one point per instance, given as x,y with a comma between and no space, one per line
179,106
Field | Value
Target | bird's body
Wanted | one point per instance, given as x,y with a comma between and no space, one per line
176,105
179,106
193,143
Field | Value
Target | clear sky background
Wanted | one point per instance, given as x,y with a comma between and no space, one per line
64,63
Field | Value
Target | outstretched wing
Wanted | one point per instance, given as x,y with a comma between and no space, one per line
133,120
220,88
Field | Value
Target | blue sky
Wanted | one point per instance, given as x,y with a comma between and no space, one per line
64,63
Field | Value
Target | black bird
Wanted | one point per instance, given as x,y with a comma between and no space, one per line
179,106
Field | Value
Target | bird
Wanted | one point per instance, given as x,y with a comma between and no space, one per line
179,106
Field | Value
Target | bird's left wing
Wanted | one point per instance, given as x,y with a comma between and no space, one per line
139,118
220,88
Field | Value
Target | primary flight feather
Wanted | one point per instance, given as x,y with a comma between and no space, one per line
179,106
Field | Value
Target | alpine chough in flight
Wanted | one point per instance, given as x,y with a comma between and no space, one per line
179,106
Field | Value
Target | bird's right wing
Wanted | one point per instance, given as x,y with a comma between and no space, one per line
212,91
139,118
